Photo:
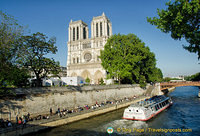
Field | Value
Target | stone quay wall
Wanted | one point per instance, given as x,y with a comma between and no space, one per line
38,101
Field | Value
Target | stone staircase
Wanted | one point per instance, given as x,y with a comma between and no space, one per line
149,90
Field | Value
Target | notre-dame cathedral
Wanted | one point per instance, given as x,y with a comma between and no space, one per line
83,52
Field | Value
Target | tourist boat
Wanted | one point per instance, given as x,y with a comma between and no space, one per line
199,94
145,110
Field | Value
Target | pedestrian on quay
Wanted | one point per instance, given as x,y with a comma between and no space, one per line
58,111
17,119
51,112
20,121
24,123
9,124
28,116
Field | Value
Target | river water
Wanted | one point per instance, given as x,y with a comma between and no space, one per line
182,118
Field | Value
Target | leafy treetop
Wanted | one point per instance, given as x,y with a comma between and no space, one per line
181,18
33,52
127,59
10,33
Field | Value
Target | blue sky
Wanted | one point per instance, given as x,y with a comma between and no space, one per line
52,18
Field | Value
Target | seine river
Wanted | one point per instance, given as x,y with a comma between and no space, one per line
182,119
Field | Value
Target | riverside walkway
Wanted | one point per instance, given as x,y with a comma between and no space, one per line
55,120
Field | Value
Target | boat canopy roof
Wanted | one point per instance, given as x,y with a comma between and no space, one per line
150,102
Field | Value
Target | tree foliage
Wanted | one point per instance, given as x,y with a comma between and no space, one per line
168,79
181,18
195,77
10,33
21,54
128,60
101,82
32,55
87,80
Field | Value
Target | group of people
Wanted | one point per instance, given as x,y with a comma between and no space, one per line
19,121
65,111
25,118
5,123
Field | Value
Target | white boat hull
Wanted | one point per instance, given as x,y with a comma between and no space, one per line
146,112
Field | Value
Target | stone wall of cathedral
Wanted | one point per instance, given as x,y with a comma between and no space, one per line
83,52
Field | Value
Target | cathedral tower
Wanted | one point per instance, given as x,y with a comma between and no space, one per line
83,52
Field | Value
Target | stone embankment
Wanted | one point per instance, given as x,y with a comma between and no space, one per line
38,101
169,90
54,121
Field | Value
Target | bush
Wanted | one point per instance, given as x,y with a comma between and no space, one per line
102,82
87,80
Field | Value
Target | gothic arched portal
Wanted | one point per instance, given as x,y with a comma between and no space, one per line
97,76
73,74
86,74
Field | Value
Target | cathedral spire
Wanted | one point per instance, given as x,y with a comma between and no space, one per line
103,14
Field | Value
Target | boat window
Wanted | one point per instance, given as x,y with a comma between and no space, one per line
160,105
129,110
136,110
156,107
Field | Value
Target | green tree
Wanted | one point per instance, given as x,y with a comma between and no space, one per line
87,80
127,59
10,33
195,77
156,75
181,18
101,81
167,79
32,56
19,77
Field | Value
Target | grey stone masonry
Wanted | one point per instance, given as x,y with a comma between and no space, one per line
38,101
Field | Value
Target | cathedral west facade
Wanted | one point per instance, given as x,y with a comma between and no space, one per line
83,52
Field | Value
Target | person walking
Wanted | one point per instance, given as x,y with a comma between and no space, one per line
24,123
51,112
28,116
17,119
58,111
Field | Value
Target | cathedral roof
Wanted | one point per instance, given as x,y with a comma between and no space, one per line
103,16
77,22
99,17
